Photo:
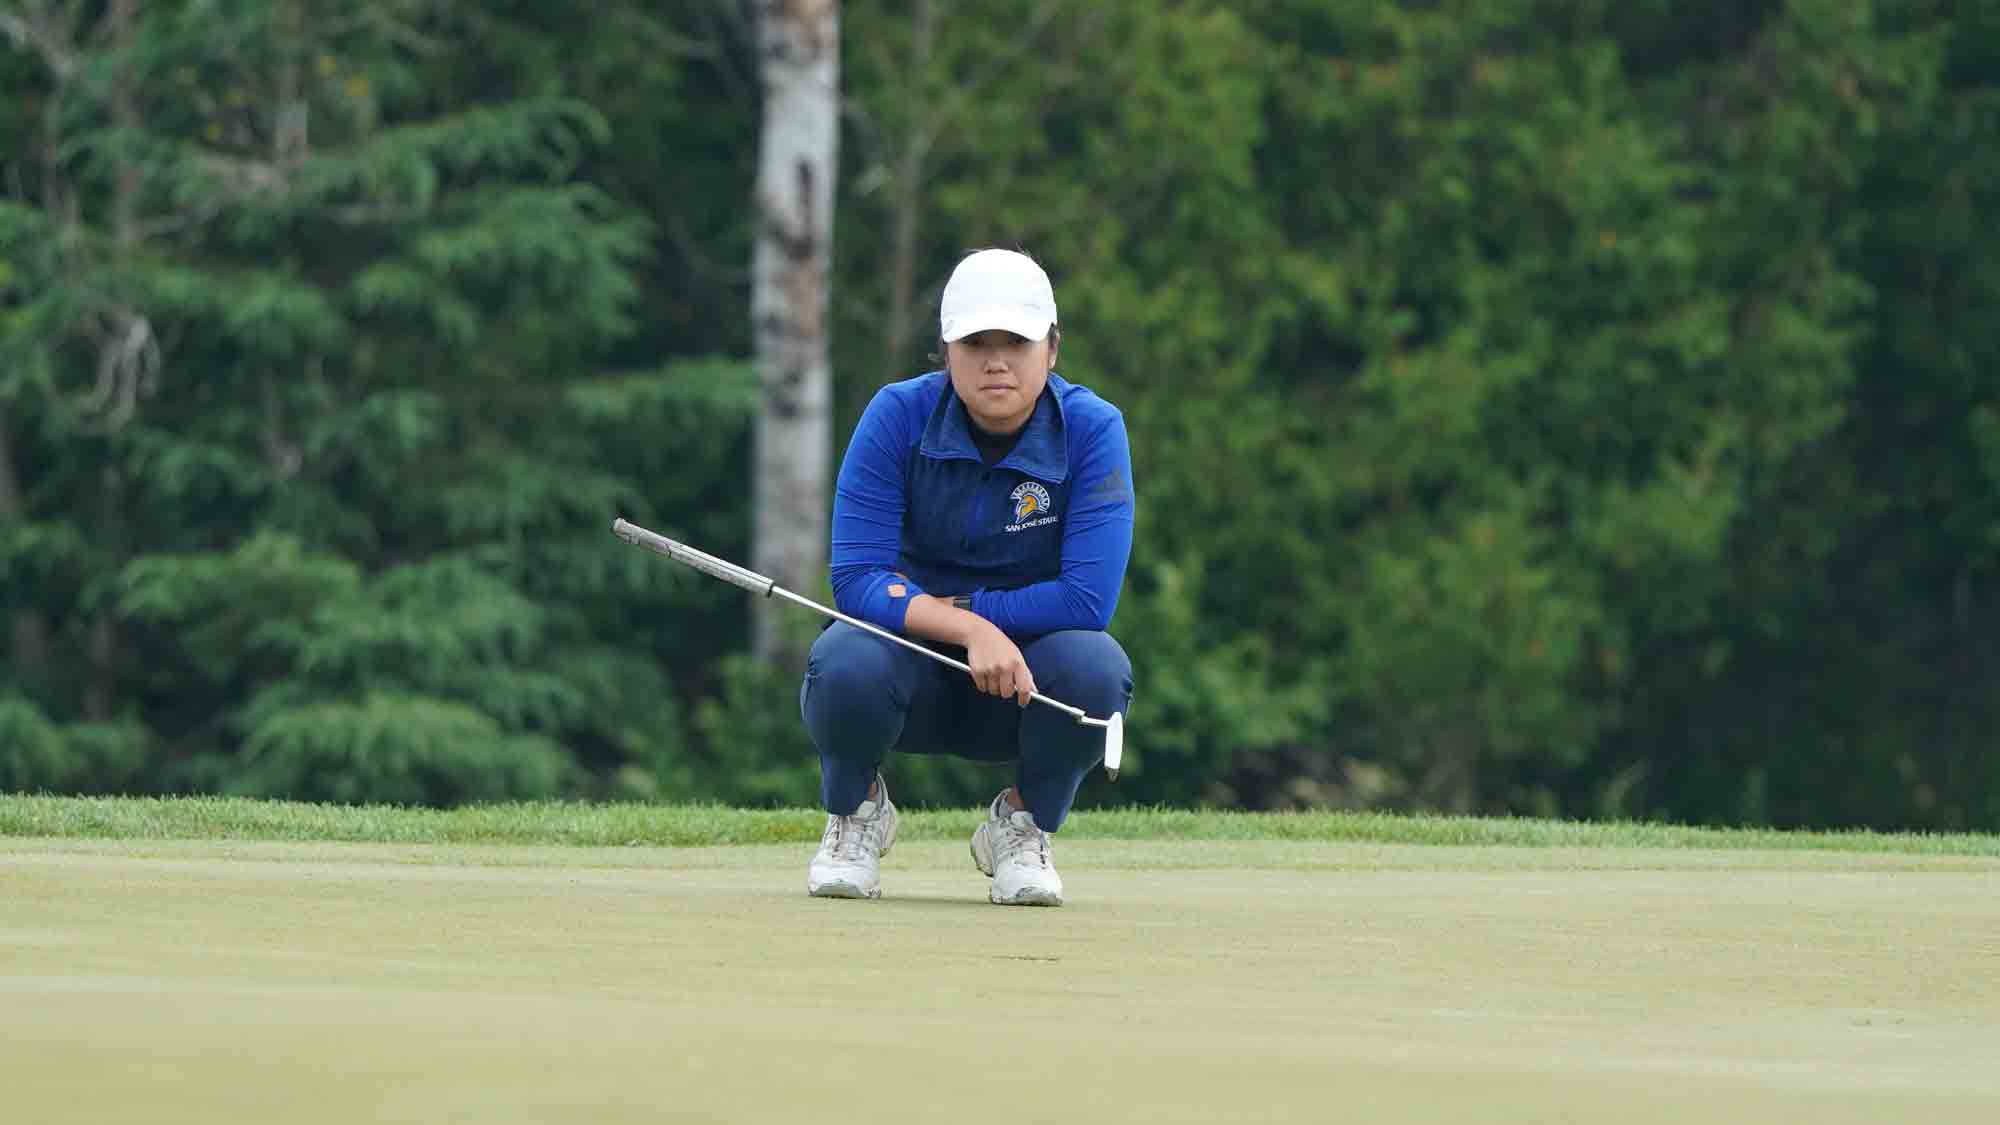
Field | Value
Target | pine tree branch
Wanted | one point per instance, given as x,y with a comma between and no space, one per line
242,177
34,26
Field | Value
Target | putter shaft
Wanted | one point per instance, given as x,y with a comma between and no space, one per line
758,584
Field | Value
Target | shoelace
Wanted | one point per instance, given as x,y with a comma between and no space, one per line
1020,840
849,838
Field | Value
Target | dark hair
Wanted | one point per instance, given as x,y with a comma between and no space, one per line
942,356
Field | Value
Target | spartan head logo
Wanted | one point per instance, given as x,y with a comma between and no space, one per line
1030,500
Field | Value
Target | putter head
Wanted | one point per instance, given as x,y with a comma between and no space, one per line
1114,745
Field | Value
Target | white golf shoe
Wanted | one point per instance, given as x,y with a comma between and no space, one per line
1012,849
849,861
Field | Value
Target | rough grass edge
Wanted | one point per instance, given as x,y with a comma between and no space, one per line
634,824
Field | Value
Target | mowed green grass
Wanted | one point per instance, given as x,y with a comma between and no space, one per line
212,962
614,825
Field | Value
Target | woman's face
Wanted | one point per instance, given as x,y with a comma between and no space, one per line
998,376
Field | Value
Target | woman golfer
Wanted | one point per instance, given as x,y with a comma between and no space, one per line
987,508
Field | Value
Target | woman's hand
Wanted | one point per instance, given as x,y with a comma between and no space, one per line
997,665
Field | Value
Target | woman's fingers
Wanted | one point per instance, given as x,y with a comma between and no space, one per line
1005,680
999,669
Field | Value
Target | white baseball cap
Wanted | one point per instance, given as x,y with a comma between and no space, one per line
997,289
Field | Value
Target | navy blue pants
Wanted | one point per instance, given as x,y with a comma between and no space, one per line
864,697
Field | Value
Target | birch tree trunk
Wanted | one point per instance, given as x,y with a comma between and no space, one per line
799,45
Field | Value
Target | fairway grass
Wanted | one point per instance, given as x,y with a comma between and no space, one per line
188,967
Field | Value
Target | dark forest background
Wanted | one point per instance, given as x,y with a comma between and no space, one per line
1584,408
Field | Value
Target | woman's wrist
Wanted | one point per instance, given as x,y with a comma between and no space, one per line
970,624
944,619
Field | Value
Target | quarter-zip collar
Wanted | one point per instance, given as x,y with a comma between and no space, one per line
1042,452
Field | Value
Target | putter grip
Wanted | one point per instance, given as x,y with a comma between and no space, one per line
682,553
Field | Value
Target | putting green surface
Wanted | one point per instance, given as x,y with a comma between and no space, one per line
203,981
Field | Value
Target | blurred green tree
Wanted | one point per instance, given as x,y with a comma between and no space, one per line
309,311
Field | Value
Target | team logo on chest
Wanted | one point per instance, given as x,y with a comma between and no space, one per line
1031,506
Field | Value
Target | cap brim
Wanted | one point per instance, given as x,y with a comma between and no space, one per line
1025,323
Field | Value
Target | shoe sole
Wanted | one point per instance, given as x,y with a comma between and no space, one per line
842,890
1027,898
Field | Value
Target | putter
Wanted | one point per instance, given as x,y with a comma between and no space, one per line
1114,727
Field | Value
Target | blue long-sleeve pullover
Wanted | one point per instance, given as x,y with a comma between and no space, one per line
1040,539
